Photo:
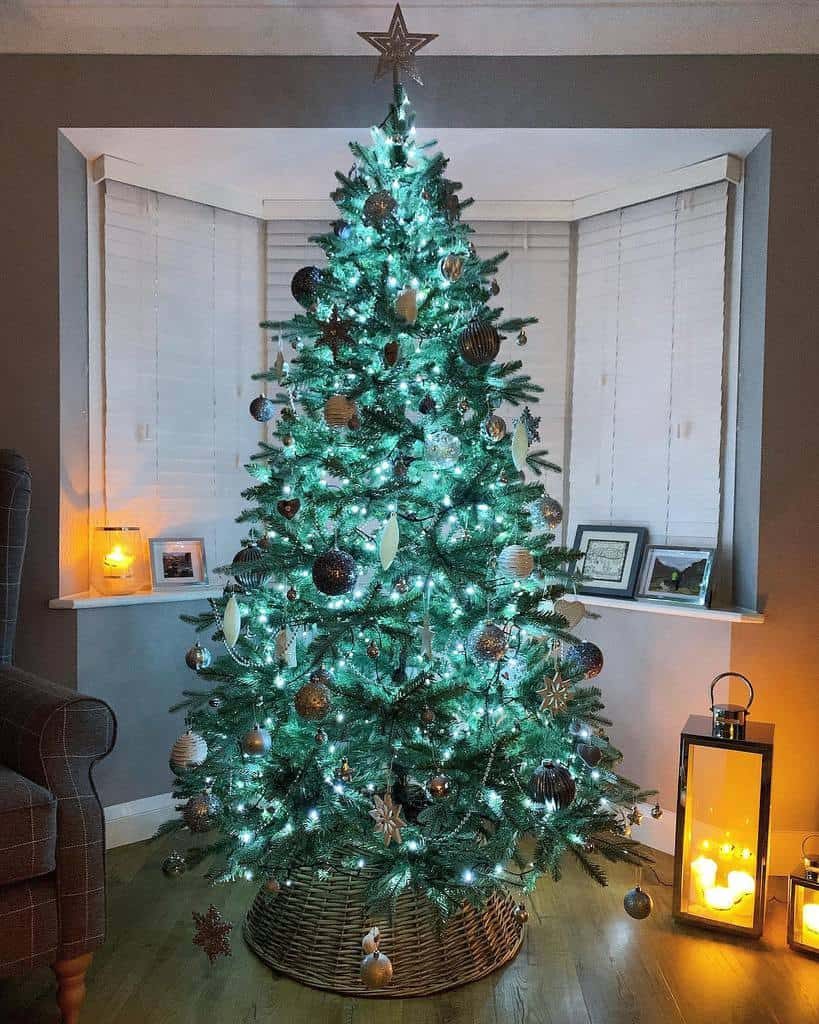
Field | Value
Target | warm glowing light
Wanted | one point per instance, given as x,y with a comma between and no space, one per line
741,883
810,917
117,560
706,844
705,871
720,897
726,849
745,853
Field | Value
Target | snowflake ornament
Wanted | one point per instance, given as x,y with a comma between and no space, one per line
212,933
555,694
387,818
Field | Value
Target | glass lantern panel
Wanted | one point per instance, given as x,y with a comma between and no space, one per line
720,855
805,912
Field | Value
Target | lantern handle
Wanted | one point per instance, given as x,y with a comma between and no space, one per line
736,675
810,835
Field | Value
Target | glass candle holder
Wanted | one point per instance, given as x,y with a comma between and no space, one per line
118,565
803,902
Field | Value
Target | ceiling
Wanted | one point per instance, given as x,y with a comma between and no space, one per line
479,27
494,164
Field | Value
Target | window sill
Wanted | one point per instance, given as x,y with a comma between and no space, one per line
690,611
79,602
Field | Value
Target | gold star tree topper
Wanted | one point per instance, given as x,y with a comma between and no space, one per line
387,818
397,47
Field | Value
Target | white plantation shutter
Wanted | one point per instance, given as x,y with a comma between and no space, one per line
534,281
183,291
287,251
646,418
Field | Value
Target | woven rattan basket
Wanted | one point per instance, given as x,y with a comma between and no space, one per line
312,930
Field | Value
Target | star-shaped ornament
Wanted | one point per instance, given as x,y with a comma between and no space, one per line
212,933
336,332
397,47
555,694
387,818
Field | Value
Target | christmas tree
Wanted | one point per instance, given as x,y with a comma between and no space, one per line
400,688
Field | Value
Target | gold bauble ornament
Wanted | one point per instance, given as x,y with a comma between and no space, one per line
372,650
406,305
256,742
338,411
369,944
487,642
312,701
516,562
376,970
452,266
656,812
522,339
521,914
439,786
272,885
479,342
391,353
427,715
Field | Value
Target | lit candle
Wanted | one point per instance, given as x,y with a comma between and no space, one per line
705,871
117,561
720,897
810,917
741,882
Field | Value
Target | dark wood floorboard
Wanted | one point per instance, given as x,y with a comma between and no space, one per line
583,962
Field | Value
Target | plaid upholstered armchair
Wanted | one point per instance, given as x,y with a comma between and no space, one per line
52,833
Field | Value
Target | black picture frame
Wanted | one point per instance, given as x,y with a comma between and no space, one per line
607,539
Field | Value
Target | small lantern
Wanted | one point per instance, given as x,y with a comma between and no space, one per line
723,818
119,560
803,902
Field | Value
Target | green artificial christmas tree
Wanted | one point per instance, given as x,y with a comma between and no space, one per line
400,689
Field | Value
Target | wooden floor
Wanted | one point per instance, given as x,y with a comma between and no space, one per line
583,961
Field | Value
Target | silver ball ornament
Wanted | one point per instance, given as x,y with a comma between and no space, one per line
638,903
198,657
174,865
200,812
516,562
442,449
189,751
546,512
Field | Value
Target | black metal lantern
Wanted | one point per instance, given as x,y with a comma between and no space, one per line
803,902
723,818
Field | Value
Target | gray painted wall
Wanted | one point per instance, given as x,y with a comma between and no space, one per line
133,657
38,94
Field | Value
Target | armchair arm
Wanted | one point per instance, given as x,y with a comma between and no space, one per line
54,737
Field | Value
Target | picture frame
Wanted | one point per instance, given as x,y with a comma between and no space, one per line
611,558
681,575
178,562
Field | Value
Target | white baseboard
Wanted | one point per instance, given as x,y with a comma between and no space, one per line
137,820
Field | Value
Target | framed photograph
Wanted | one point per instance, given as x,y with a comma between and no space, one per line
676,574
611,558
178,562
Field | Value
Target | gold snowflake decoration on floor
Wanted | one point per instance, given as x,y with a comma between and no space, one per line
387,818
555,694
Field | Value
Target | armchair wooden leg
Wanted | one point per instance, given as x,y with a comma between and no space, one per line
71,986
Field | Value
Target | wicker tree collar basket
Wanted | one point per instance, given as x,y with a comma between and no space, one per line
312,930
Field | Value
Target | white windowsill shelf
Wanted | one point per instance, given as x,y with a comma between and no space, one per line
690,611
79,602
